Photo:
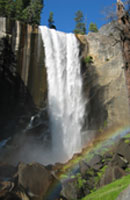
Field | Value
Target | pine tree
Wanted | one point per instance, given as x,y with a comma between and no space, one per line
31,14
18,9
2,8
26,3
80,25
93,27
51,21
7,8
10,8
28,11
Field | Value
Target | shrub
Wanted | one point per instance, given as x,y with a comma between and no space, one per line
89,60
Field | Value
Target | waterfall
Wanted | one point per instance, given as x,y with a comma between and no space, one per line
65,100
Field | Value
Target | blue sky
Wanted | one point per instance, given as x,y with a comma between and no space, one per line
64,12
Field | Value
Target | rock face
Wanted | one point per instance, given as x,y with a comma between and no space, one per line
22,75
112,173
124,24
125,195
35,178
27,47
27,181
104,80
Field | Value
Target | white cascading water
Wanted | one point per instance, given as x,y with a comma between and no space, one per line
65,99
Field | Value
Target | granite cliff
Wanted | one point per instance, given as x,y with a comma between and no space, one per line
23,70
23,75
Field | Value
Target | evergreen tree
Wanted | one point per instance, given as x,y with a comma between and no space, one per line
80,25
93,27
26,3
2,8
18,9
31,14
10,8
28,11
51,21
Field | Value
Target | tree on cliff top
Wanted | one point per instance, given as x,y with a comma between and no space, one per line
7,8
28,11
51,21
31,14
18,9
80,25
110,12
93,27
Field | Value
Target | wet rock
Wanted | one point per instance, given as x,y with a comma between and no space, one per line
70,189
96,162
119,161
12,196
123,149
83,167
112,173
35,179
108,155
125,194
7,171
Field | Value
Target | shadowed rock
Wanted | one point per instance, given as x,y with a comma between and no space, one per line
125,195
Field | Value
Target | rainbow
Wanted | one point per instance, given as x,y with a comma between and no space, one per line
103,139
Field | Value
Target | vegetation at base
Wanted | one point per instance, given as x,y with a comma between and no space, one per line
89,60
101,172
127,141
93,27
127,136
80,181
127,170
80,27
110,191
27,11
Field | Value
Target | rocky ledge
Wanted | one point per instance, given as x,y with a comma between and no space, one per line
35,181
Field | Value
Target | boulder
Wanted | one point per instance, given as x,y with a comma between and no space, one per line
119,161
11,196
70,189
123,149
96,162
83,167
125,194
35,179
112,173
7,171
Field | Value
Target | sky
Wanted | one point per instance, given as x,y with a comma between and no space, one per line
64,12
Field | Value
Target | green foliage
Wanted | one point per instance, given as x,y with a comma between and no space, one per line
64,176
80,181
2,8
127,170
80,25
51,21
107,59
18,9
110,191
89,60
127,141
127,136
101,172
24,10
93,27
31,14
7,8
